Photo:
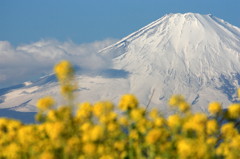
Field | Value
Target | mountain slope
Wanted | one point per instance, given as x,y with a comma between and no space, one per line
190,54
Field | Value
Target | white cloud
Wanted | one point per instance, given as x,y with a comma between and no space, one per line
27,62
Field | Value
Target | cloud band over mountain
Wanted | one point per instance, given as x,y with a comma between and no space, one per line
30,61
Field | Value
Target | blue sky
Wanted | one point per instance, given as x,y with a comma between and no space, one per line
27,21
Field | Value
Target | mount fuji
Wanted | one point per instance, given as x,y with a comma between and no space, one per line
191,54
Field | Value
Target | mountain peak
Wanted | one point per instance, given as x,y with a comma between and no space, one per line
181,27
186,37
191,54
186,15
182,53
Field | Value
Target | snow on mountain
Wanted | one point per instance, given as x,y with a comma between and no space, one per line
190,54
195,55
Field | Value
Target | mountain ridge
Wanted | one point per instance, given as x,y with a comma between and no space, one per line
235,30
191,54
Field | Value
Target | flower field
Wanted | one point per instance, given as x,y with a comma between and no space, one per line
126,131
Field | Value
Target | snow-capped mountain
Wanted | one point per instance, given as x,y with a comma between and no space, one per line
195,55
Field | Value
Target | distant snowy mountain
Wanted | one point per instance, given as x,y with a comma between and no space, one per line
195,55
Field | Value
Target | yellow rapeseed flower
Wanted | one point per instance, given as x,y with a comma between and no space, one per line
96,133
82,157
26,134
222,149
52,115
102,108
127,102
101,149
119,145
185,148
98,109
86,126
235,142
174,121
64,112
112,126
67,90
123,121
190,126
45,103
73,145
124,154
109,117
3,122
228,130
202,151
86,137
153,136
199,118
55,130
234,111
184,107
63,70
89,148
212,126
143,125
196,123
137,114
12,151
134,134
176,100
106,157
214,108
47,155
84,110
211,141
12,125
154,113
159,121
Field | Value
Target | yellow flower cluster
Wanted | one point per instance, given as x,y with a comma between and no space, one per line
96,131
234,111
179,101
65,75
64,71
214,108
45,103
